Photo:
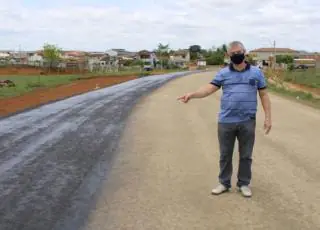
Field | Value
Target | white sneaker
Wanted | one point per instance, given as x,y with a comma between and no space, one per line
245,191
219,189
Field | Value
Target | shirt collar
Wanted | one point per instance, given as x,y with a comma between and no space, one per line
245,69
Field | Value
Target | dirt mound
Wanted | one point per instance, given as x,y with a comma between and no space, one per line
43,96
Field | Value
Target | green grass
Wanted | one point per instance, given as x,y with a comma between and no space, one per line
26,84
310,77
305,98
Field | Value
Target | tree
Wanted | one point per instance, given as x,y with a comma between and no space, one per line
194,51
286,59
224,48
215,56
195,48
249,59
163,52
51,54
163,48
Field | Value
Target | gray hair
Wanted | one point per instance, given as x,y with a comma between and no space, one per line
236,43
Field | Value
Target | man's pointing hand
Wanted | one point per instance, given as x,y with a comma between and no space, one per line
185,98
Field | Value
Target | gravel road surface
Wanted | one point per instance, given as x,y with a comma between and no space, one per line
53,158
167,163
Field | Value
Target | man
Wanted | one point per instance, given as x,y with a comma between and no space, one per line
240,83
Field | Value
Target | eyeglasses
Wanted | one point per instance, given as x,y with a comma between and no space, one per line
236,52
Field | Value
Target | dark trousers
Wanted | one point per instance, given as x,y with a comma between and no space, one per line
227,134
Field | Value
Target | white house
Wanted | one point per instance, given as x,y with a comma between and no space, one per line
112,53
180,58
4,55
35,60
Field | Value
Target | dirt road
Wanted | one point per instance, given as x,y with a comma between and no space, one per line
168,163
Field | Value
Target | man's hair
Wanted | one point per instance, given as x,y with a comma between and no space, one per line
236,43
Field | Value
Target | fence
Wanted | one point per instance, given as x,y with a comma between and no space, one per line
68,67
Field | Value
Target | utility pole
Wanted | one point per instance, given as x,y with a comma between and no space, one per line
274,54
19,55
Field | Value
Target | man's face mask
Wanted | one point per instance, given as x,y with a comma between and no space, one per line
237,58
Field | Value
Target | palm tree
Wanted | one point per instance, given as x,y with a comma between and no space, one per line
224,48
162,51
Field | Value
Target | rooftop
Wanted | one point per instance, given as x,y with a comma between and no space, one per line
286,50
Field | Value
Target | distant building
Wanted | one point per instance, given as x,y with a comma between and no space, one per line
308,55
73,55
4,55
147,56
315,56
264,54
122,54
180,57
35,59
149,59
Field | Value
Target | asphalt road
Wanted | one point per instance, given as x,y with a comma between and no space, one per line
53,158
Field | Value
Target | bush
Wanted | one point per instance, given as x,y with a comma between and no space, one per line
144,74
173,66
215,59
134,63
286,59
290,67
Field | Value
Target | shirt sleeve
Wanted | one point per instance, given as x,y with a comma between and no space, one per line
217,80
262,84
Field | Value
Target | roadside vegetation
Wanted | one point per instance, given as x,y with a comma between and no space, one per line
300,85
24,84
310,77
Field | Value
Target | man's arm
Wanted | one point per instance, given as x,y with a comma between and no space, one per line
204,91
266,104
263,93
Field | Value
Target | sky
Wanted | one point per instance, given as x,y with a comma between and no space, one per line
99,25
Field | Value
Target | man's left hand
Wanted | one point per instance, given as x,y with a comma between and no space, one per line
267,126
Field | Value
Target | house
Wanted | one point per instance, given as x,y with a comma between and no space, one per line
73,55
180,57
4,55
310,55
122,54
94,57
98,61
112,53
35,59
20,57
146,56
95,54
112,57
125,55
307,55
264,54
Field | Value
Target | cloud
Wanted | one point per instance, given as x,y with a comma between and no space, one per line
94,25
